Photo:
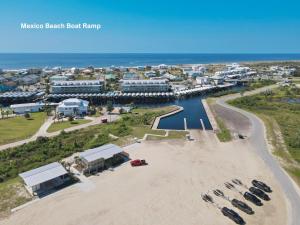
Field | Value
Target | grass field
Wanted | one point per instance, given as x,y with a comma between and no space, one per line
223,133
66,124
12,194
140,131
282,121
172,135
19,128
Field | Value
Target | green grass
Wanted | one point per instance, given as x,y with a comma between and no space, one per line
19,128
295,174
172,135
140,131
223,133
12,194
66,124
177,134
161,110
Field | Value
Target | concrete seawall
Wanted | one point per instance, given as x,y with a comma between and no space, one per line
210,115
157,119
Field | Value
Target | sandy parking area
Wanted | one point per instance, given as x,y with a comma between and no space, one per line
167,191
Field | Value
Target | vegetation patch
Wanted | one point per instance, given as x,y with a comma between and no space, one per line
171,135
66,124
282,119
19,128
223,133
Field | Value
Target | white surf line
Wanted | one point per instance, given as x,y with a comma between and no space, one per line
202,124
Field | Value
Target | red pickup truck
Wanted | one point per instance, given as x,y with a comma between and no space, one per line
138,162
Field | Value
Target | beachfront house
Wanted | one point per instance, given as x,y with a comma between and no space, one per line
73,107
145,86
44,178
99,158
77,86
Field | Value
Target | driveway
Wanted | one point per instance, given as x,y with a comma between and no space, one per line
257,139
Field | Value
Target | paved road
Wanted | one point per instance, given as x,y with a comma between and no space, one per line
257,139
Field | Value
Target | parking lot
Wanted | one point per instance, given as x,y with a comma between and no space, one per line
166,191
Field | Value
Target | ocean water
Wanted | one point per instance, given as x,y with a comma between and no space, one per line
67,60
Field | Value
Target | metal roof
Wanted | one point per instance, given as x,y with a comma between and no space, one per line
105,152
43,174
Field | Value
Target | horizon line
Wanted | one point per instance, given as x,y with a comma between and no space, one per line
205,53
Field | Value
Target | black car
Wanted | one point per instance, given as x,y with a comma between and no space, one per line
259,193
252,198
261,185
232,215
242,206
241,136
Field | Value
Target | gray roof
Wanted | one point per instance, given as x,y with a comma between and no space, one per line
105,152
43,174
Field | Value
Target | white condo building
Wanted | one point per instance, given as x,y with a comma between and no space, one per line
145,86
77,86
73,106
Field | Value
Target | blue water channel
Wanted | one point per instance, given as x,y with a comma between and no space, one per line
193,112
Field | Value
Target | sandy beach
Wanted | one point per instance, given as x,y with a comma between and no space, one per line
167,191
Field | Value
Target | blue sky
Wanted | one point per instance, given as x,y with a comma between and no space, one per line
189,26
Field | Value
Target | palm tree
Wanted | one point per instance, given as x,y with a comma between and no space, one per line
1,110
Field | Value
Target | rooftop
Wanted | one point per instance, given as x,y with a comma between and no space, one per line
43,174
105,152
77,82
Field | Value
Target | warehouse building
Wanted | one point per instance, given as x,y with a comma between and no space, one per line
100,158
44,178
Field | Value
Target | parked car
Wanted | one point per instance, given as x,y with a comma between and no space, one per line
259,193
242,206
138,162
252,198
262,186
241,136
104,120
232,215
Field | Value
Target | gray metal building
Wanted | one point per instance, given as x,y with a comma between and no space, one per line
99,158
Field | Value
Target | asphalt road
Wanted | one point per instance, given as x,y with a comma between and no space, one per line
257,139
